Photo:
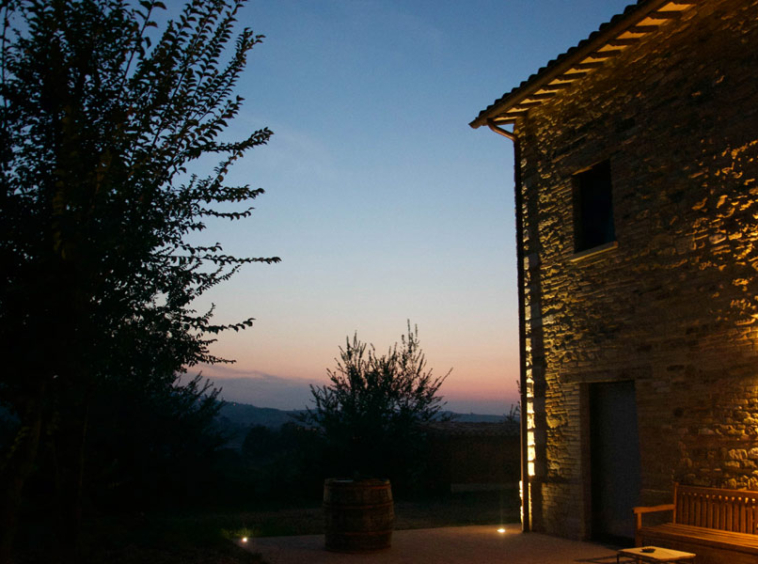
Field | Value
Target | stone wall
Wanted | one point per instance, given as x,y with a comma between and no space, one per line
672,305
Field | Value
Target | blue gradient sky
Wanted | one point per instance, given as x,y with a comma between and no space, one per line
382,202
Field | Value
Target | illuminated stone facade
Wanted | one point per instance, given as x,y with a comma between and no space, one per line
669,302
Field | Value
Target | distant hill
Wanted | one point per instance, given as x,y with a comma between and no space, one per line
234,419
475,417
244,415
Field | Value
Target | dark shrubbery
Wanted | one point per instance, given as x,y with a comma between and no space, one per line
287,462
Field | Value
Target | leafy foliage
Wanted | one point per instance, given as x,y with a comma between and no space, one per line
102,119
166,453
372,413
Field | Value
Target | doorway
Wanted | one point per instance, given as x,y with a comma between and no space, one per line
614,460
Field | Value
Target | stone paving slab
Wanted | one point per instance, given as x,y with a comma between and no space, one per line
447,545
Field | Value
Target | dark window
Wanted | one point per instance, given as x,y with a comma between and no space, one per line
593,208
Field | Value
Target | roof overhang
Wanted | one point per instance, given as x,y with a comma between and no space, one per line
623,31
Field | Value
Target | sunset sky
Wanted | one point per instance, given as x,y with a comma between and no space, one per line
384,205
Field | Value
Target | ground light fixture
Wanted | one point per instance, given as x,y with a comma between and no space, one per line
501,530
244,539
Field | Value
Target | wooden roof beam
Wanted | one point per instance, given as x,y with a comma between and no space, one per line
624,42
667,15
574,72
557,85
643,29
545,96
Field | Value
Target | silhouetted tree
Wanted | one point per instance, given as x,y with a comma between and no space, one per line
101,118
163,450
372,413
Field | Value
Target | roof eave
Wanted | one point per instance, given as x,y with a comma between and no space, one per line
560,72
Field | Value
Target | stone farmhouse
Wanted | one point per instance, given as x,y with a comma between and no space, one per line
637,231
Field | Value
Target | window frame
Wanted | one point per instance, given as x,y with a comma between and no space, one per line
594,222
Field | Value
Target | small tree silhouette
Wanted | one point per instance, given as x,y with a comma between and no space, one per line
372,412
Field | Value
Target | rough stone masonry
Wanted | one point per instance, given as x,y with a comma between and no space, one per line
672,303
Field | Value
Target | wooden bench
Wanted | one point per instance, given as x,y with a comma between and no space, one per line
718,525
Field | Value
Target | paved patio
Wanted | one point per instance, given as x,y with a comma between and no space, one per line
448,545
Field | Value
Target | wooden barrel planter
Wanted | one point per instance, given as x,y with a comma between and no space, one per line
359,515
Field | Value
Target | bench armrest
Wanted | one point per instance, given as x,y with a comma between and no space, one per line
639,511
653,509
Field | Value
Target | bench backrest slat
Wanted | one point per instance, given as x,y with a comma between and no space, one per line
725,510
